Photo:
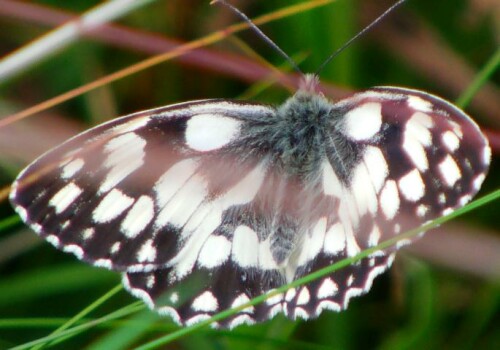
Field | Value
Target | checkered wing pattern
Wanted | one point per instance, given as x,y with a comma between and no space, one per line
207,204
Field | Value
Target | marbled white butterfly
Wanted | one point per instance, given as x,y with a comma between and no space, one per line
207,204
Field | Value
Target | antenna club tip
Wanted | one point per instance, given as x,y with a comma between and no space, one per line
214,2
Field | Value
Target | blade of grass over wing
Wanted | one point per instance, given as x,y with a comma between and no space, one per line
484,74
180,50
50,43
324,271
84,312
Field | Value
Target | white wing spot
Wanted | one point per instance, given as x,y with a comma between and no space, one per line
65,225
111,206
363,189
23,214
240,320
276,309
266,260
245,247
106,263
241,300
173,179
363,122
412,186
465,199
37,228
327,289
126,154
54,240
186,257
374,236
422,210
115,247
457,129
208,132
290,294
88,233
415,151
403,243
245,190
174,297
71,168
214,252
350,280
450,171
447,211
184,203
327,305
389,199
419,104
442,198
300,313
397,228
335,239
451,141
418,127
424,120
64,197
377,166
119,143
197,319
331,183
275,299
478,181
312,244
147,252
304,296
317,238
486,155
73,248
150,281
205,302
138,217
131,125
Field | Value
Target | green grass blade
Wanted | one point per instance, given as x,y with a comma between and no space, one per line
84,313
123,312
484,74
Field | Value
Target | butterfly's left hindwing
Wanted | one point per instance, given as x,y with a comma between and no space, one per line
206,205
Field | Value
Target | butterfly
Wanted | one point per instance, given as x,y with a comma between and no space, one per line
205,205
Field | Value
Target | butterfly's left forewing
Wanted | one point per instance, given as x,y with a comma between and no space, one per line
127,194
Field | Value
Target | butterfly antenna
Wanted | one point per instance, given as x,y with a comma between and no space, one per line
260,33
354,38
